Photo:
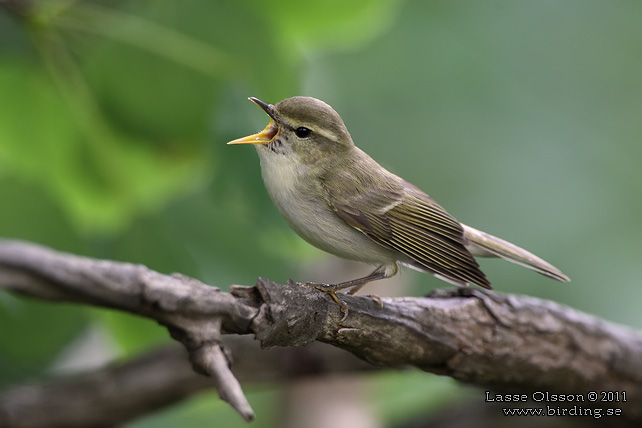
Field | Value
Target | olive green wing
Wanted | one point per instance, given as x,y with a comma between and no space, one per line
398,215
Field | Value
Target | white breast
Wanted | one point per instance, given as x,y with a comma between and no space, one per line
299,198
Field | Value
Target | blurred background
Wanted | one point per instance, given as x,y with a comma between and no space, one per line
522,119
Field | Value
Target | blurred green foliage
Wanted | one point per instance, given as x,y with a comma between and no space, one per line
521,118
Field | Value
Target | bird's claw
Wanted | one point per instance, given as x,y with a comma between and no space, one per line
329,289
377,298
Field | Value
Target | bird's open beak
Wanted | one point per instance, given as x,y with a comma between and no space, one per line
267,135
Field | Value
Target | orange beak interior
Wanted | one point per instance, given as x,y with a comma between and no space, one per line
264,137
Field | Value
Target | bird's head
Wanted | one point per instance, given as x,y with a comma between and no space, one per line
303,127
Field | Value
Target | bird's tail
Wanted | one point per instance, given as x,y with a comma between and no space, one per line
484,245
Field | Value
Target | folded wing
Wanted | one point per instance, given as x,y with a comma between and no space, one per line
398,215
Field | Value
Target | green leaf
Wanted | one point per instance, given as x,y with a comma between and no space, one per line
327,24
101,177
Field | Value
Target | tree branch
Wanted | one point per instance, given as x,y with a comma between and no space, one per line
497,341
154,380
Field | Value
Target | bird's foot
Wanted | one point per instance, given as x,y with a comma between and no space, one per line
331,290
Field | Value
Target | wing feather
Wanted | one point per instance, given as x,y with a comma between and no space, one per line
398,215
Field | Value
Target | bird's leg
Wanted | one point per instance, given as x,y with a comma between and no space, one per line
372,277
355,285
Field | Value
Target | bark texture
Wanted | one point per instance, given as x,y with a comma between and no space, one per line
500,342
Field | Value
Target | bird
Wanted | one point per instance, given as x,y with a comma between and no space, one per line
339,199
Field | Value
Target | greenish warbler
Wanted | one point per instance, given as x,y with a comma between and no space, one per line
340,200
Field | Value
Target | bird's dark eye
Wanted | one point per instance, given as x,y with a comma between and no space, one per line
303,132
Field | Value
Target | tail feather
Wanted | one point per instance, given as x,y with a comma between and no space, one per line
485,245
